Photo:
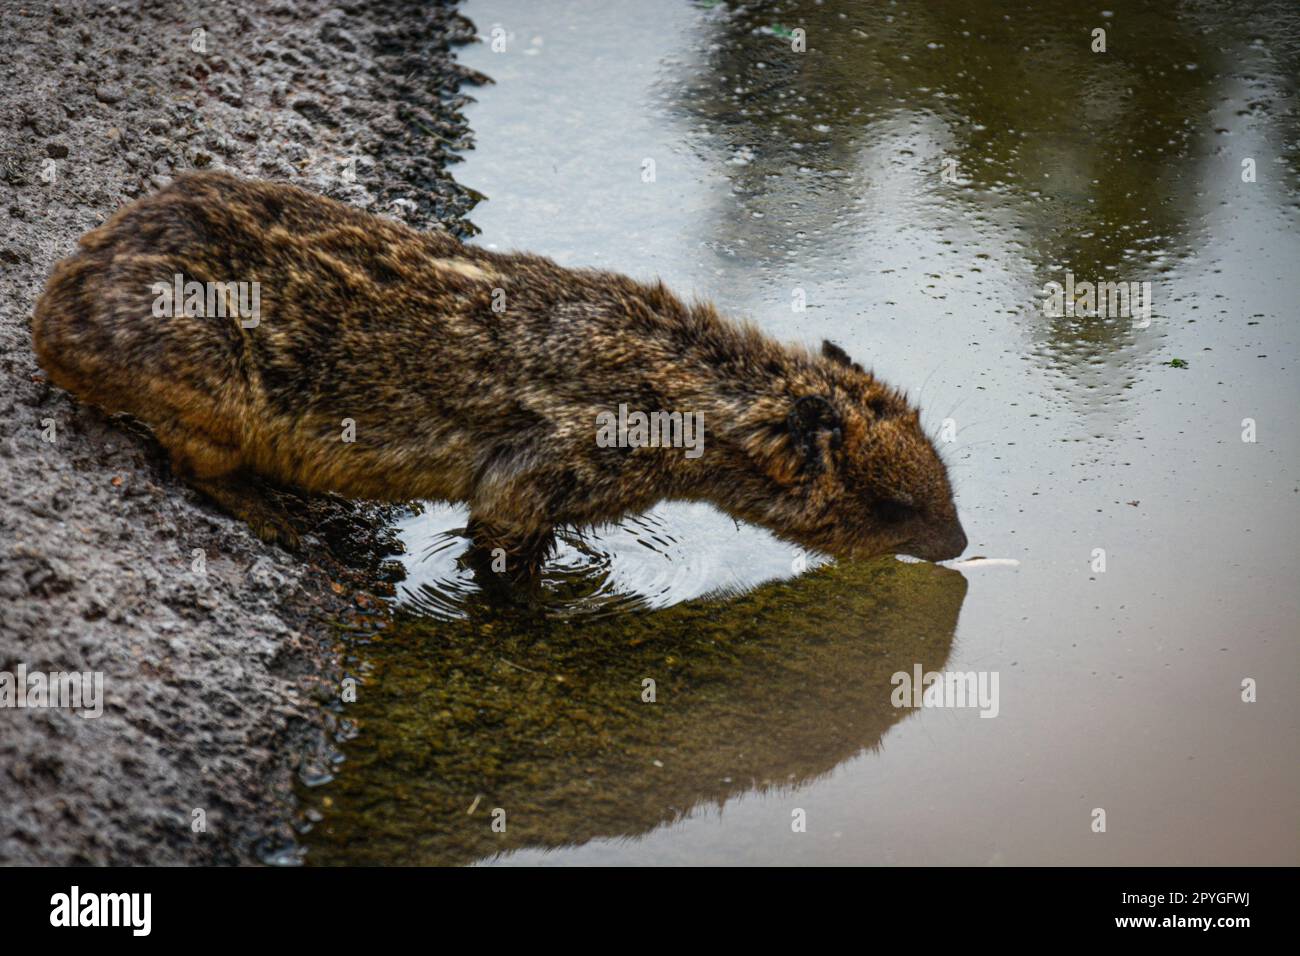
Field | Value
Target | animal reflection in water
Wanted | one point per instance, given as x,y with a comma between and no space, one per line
649,561
549,720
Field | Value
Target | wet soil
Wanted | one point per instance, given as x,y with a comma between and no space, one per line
219,683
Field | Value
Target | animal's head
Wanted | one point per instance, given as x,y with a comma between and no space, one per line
854,473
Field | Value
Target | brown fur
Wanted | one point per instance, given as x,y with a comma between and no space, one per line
366,319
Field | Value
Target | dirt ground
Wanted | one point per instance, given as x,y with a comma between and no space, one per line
218,682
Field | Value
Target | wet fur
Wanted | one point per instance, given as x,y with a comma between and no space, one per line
366,319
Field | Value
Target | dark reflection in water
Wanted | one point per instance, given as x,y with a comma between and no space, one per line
1096,161
545,719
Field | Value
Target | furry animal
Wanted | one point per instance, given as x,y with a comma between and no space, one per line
392,364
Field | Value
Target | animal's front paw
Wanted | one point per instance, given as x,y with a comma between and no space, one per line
274,527
244,499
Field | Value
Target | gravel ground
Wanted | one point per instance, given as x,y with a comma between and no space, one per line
218,682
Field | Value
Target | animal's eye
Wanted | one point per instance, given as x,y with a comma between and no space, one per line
889,511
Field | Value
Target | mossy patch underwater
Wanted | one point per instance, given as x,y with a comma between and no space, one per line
547,719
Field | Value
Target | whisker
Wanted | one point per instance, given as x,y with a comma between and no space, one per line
921,394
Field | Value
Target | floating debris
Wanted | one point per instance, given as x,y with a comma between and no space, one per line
979,561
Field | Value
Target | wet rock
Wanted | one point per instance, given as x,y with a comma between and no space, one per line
315,112
109,93
208,677
264,576
227,91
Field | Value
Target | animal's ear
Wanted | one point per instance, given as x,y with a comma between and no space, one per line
811,418
836,354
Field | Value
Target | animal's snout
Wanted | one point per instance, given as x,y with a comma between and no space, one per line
956,541
942,544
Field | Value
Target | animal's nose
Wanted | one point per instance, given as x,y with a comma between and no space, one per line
940,543
946,543
958,540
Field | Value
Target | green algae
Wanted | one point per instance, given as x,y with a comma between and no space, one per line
545,719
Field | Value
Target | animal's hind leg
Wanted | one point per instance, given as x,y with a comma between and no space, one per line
214,471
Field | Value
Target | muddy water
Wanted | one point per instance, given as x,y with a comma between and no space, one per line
1156,548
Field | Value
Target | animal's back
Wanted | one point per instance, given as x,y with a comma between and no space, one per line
454,365
269,391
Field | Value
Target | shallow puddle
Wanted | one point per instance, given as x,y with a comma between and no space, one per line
914,180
